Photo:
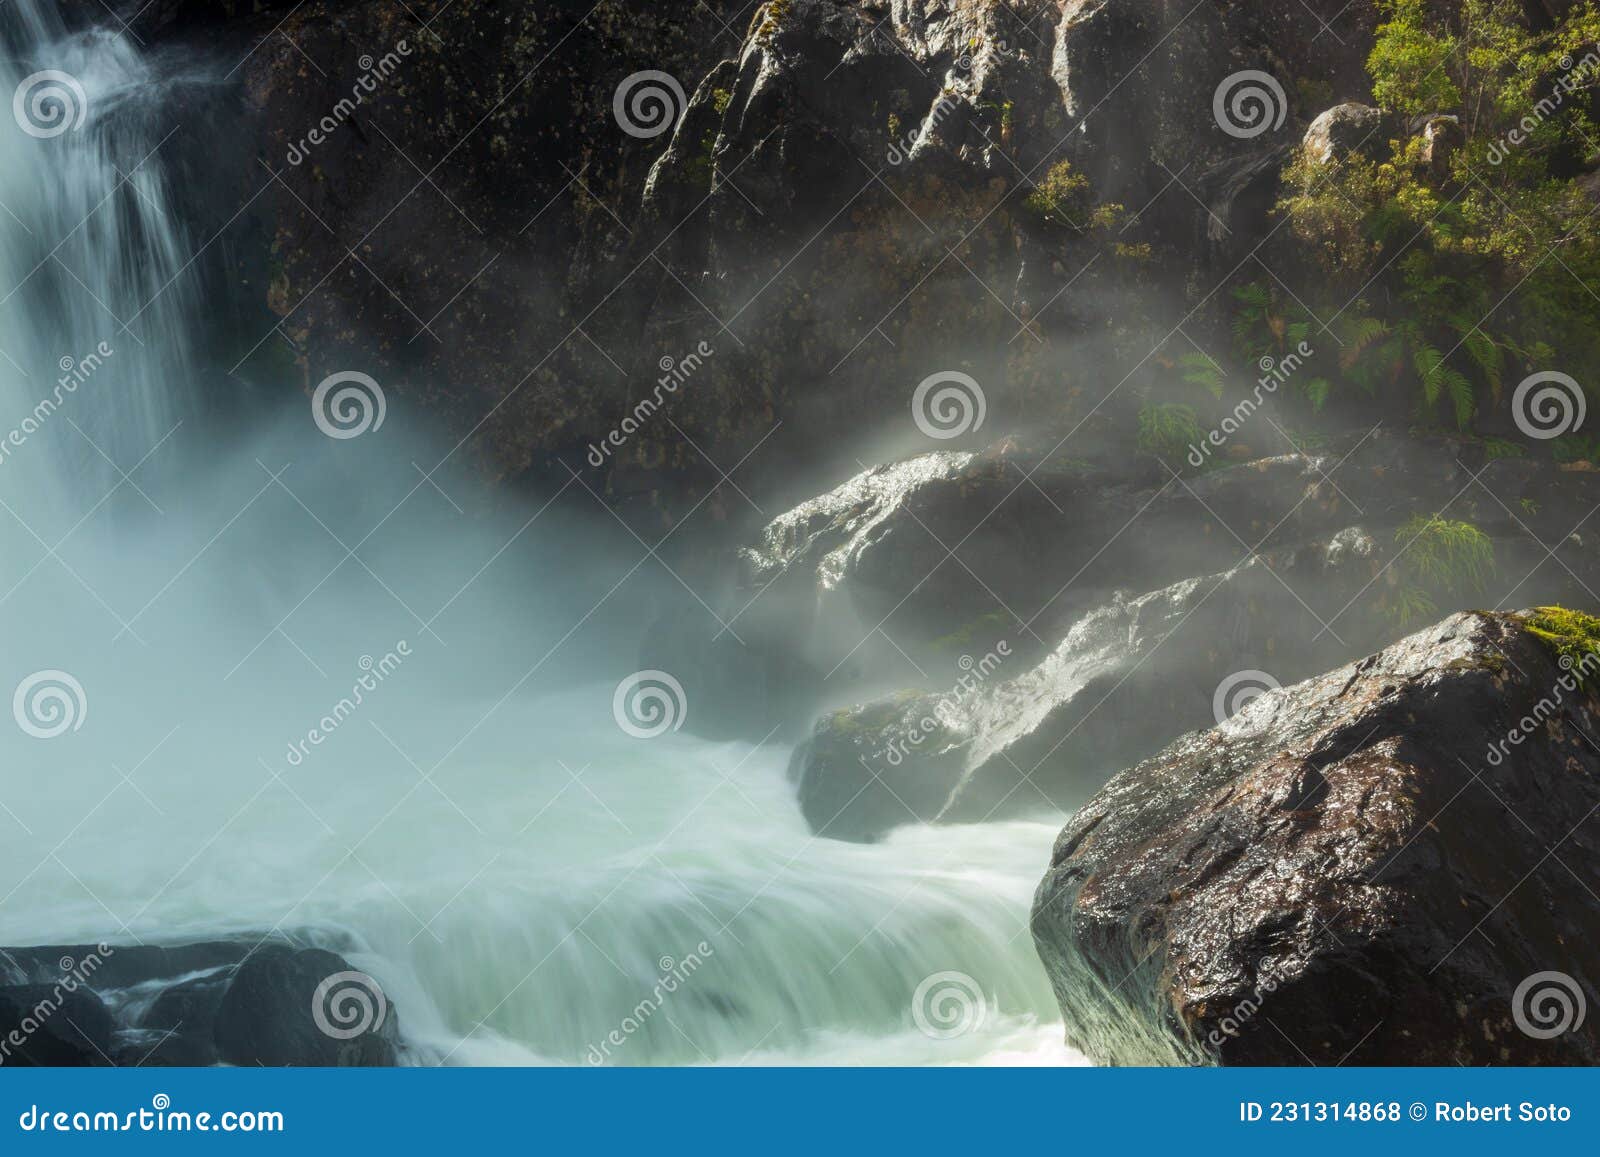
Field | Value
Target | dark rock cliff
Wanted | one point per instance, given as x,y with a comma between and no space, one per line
841,209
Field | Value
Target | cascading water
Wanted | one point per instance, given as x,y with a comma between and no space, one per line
523,875
93,255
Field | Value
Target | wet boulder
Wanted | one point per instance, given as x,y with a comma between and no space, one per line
1391,863
304,1006
1011,737
890,579
53,1024
251,1001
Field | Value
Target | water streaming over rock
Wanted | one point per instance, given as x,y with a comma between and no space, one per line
527,880
94,254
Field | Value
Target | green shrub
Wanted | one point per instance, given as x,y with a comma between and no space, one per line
1479,257
1438,555
1168,431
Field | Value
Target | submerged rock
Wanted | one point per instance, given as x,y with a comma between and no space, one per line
1393,863
236,1002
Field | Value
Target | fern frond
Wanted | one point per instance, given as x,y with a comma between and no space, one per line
1360,335
1430,366
1255,296
1462,395
1487,355
1200,370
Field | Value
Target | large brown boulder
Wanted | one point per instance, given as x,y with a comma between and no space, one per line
1394,863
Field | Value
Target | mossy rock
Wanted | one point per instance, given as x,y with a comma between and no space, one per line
1572,635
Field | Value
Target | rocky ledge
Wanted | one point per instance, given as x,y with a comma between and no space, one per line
1393,863
960,636
256,1001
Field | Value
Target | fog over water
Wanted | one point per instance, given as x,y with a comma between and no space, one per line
332,688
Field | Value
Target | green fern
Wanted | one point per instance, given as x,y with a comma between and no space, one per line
1316,391
1411,603
1167,432
1495,448
1486,354
1452,555
1440,378
1200,370
1437,555
1575,448
1359,335
1254,324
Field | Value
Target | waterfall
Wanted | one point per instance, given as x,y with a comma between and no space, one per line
524,878
95,307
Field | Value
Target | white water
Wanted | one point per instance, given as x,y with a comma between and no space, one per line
480,835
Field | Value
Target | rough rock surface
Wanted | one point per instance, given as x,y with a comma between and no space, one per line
236,1002
1345,129
1127,677
840,209
1311,882
41,1027
882,584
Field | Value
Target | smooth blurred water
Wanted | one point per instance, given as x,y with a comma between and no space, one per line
518,871
95,310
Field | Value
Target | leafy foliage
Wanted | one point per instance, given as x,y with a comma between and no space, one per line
1167,431
1438,555
1462,253
1576,448
1064,197
1200,370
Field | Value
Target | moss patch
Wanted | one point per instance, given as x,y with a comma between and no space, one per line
983,624
1572,635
